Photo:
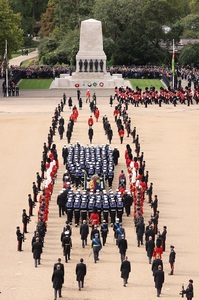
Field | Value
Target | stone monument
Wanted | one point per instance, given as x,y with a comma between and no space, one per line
90,63
91,53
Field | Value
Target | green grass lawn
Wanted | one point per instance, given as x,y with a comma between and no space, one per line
142,83
25,63
35,84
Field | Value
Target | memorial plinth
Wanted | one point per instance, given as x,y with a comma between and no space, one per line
90,62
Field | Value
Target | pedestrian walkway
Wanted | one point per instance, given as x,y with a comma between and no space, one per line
16,61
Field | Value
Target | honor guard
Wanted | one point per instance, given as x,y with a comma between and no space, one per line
120,209
99,209
83,210
106,210
76,209
69,210
112,211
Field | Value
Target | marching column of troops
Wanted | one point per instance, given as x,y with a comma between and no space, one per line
84,198
151,96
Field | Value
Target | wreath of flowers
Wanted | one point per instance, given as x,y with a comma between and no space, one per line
89,84
76,85
101,84
94,84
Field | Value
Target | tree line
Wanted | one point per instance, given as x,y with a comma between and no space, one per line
132,29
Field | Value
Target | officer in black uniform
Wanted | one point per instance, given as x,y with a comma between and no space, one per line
104,232
67,245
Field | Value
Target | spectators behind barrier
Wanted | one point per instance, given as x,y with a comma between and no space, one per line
136,72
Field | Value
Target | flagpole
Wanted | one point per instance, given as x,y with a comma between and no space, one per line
6,62
173,64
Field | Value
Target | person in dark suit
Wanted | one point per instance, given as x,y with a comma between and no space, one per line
84,231
116,155
140,229
172,257
37,250
80,273
125,269
157,262
59,264
90,134
150,245
159,280
122,245
58,280
150,192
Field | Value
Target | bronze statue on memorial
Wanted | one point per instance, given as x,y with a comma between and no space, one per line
85,65
96,65
80,65
101,65
91,65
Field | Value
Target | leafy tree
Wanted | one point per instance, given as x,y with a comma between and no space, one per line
190,24
190,55
31,11
48,20
10,29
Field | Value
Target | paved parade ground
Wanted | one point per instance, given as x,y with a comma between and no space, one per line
170,140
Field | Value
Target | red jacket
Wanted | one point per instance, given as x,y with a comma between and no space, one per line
90,121
121,133
97,113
